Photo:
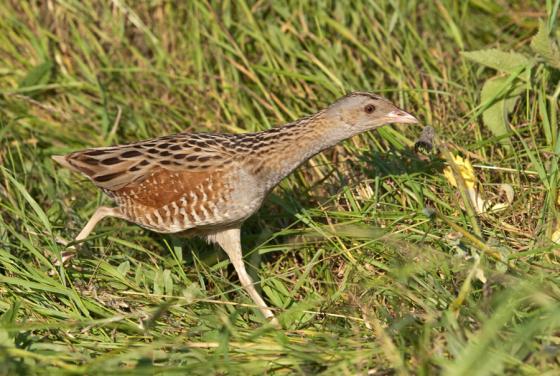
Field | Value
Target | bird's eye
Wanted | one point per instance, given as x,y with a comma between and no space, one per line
369,109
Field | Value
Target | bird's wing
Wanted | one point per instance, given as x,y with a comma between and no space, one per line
116,167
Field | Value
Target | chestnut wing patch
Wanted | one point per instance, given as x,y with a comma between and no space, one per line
164,187
170,201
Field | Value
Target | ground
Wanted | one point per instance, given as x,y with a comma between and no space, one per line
378,258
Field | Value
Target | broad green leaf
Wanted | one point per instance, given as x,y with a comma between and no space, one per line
508,62
139,275
168,282
124,267
158,283
39,75
5,339
495,117
9,316
546,46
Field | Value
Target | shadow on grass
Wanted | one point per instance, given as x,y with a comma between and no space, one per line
398,163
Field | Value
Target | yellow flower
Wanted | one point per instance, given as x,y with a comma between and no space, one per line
556,236
479,204
465,169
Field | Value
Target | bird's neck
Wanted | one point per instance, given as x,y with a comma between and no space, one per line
279,151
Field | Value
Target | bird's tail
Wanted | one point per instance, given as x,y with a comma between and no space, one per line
63,161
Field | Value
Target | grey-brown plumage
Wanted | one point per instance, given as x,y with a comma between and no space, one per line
209,184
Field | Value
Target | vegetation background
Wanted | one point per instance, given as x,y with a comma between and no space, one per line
377,262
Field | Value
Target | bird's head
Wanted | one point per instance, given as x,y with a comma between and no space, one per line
360,111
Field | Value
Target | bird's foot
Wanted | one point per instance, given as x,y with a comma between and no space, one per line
66,255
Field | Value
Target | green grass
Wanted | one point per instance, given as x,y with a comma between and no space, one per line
362,280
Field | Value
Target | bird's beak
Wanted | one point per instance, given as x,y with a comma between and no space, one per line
399,116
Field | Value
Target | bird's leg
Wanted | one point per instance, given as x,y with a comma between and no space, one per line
230,241
100,213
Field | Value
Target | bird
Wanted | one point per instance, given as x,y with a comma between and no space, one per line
208,184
